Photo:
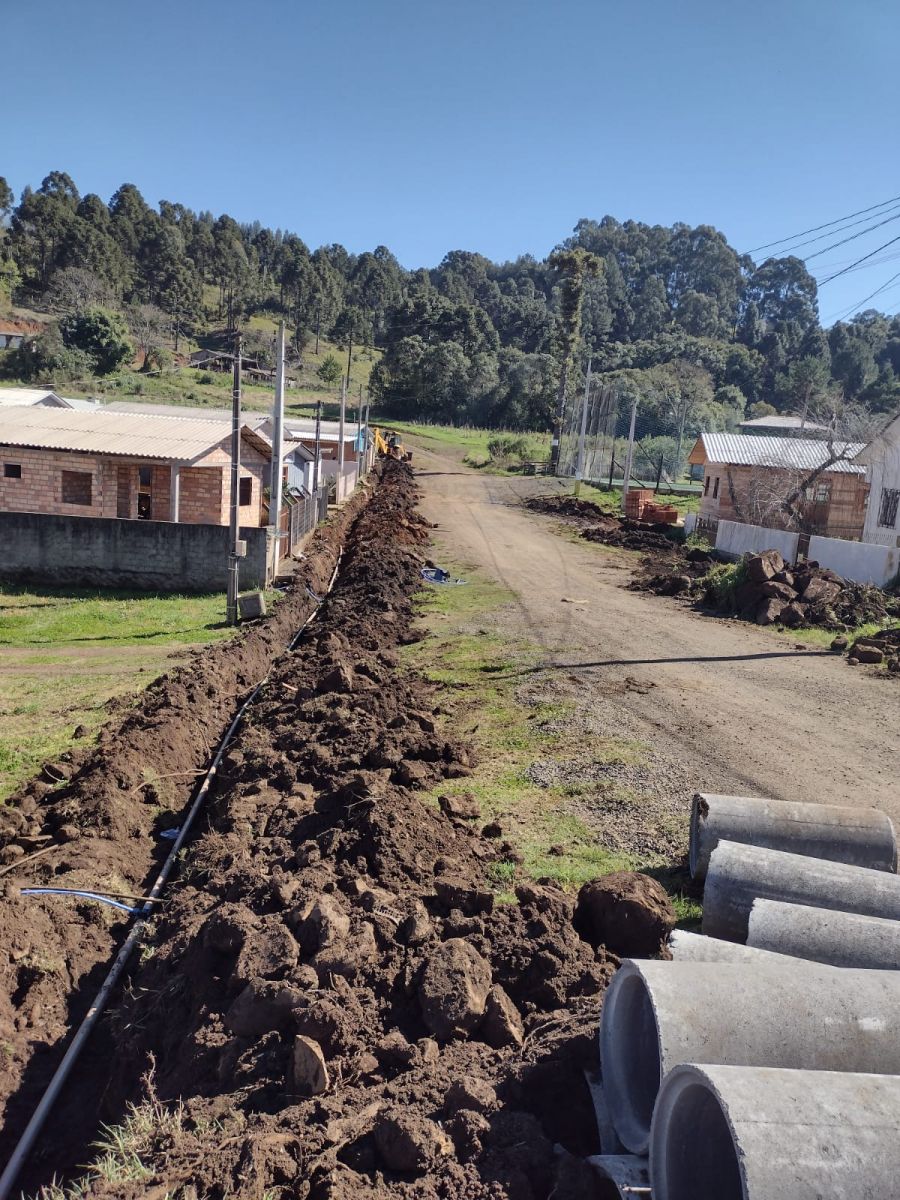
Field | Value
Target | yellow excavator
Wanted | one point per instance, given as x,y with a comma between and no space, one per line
389,445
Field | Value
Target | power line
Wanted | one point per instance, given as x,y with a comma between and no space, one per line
827,225
871,253
857,306
853,236
822,236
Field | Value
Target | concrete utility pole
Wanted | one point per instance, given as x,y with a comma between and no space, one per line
579,462
318,450
231,611
340,482
277,452
366,438
683,418
629,457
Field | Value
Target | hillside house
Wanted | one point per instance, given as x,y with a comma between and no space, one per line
881,460
747,477
15,333
42,398
127,465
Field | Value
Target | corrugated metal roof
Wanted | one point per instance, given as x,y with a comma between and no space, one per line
803,454
103,432
249,417
20,397
778,421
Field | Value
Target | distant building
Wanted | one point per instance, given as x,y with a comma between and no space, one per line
42,398
777,425
14,333
881,460
127,465
747,477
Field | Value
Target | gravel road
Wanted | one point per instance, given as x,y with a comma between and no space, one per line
739,709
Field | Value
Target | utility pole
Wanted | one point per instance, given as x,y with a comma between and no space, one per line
366,438
359,441
318,450
579,462
277,452
629,457
681,422
231,611
318,323
340,482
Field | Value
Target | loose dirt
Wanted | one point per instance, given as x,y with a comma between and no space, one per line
97,815
333,996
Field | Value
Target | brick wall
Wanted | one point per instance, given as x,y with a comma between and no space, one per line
106,552
40,487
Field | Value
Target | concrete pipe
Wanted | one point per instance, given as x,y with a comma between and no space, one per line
657,1015
695,947
738,875
621,1175
862,837
760,1133
824,935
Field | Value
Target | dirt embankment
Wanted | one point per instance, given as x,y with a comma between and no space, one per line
334,993
101,813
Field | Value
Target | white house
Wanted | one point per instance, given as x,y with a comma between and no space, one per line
881,459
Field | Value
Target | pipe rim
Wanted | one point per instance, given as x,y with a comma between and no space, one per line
682,1089
694,861
631,1112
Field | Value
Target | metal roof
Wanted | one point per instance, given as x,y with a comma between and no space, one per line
778,421
250,417
103,432
750,450
19,397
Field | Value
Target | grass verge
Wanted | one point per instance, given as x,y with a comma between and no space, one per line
65,655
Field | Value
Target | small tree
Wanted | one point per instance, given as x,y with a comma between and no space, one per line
330,371
100,334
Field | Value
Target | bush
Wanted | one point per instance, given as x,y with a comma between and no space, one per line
722,581
158,358
101,335
205,377
507,450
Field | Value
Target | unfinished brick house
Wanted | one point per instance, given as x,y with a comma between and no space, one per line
747,478
127,465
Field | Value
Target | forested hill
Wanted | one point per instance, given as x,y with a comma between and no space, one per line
674,314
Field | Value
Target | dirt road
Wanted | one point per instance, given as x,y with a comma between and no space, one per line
740,709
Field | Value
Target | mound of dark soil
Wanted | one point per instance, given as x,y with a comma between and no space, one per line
103,810
662,540
627,912
334,992
571,506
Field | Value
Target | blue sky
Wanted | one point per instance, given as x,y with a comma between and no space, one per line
489,125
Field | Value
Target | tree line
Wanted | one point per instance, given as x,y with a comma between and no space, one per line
673,315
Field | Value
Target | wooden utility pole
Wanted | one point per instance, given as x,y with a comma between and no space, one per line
234,558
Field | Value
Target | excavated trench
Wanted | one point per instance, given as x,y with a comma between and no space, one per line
97,817
332,1004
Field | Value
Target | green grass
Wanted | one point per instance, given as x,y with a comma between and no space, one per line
467,444
482,671
65,655
824,637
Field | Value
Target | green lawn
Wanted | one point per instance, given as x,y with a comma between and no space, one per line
466,443
64,655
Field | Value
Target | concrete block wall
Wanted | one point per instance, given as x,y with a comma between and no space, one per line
734,538
74,551
863,562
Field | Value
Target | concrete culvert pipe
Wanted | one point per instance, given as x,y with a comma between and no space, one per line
695,947
824,935
862,837
760,1133
657,1015
738,875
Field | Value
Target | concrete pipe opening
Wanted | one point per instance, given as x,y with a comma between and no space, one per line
630,1057
692,1149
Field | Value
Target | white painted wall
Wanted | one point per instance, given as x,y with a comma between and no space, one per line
862,561
882,471
733,537
690,523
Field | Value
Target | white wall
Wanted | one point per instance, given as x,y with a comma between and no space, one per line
882,471
690,523
733,537
861,561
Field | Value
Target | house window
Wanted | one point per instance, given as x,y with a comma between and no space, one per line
716,489
823,493
887,513
12,470
245,491
76,487
145,476
706,484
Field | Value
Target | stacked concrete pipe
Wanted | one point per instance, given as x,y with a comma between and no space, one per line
658,1015
695,947
859,836
740,874
760,1133
822,935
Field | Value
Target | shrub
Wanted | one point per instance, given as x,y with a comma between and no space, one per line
101,335
507,449
722,581
205,377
